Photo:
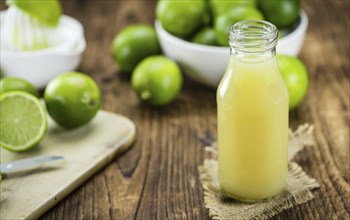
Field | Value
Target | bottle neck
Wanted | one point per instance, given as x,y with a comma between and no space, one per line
238,54
253,38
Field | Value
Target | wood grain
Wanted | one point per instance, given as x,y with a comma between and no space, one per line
158,177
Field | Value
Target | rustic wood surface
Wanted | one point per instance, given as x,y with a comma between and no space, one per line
158,177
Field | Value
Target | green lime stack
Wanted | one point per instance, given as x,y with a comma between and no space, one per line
72,99
156,79
208,22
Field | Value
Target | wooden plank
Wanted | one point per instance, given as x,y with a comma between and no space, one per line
158,178
28,194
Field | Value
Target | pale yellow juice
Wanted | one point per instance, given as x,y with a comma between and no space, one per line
252,129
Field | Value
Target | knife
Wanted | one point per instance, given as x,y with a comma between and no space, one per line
26,163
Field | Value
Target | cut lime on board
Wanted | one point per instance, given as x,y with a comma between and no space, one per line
47,12
23,121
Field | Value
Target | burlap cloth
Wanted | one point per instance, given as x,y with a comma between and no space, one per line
297,190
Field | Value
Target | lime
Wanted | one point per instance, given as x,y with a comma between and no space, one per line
282,13
219,7
223,22
23,121
133,44
47,12
72,99
181,18
205,36
8,84
295,76
157,80
207,17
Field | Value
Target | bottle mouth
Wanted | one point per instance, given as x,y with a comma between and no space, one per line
253,36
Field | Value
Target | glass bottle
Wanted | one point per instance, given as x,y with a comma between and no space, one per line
252,102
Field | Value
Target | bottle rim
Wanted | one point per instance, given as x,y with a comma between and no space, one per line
253,36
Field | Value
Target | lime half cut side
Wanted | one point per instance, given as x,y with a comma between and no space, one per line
23,121
47,12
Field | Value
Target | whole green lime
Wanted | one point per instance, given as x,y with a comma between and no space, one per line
205,36
282,13
181,18
157,80
9,84
223,22
207,19
219,7
295,76
133,44
72,99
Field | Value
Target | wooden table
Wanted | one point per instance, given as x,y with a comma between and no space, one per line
158,177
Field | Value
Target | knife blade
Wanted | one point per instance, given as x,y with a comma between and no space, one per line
26,163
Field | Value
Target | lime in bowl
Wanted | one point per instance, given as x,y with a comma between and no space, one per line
206,64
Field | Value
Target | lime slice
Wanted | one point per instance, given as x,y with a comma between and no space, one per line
23,121
47,12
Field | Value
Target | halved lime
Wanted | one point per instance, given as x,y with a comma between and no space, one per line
23,121
47,12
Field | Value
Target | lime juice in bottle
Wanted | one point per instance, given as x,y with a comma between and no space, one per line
252,102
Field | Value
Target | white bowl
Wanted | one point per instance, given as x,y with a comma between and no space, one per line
207,64
40,66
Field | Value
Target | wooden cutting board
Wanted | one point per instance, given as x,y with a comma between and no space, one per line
28,194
